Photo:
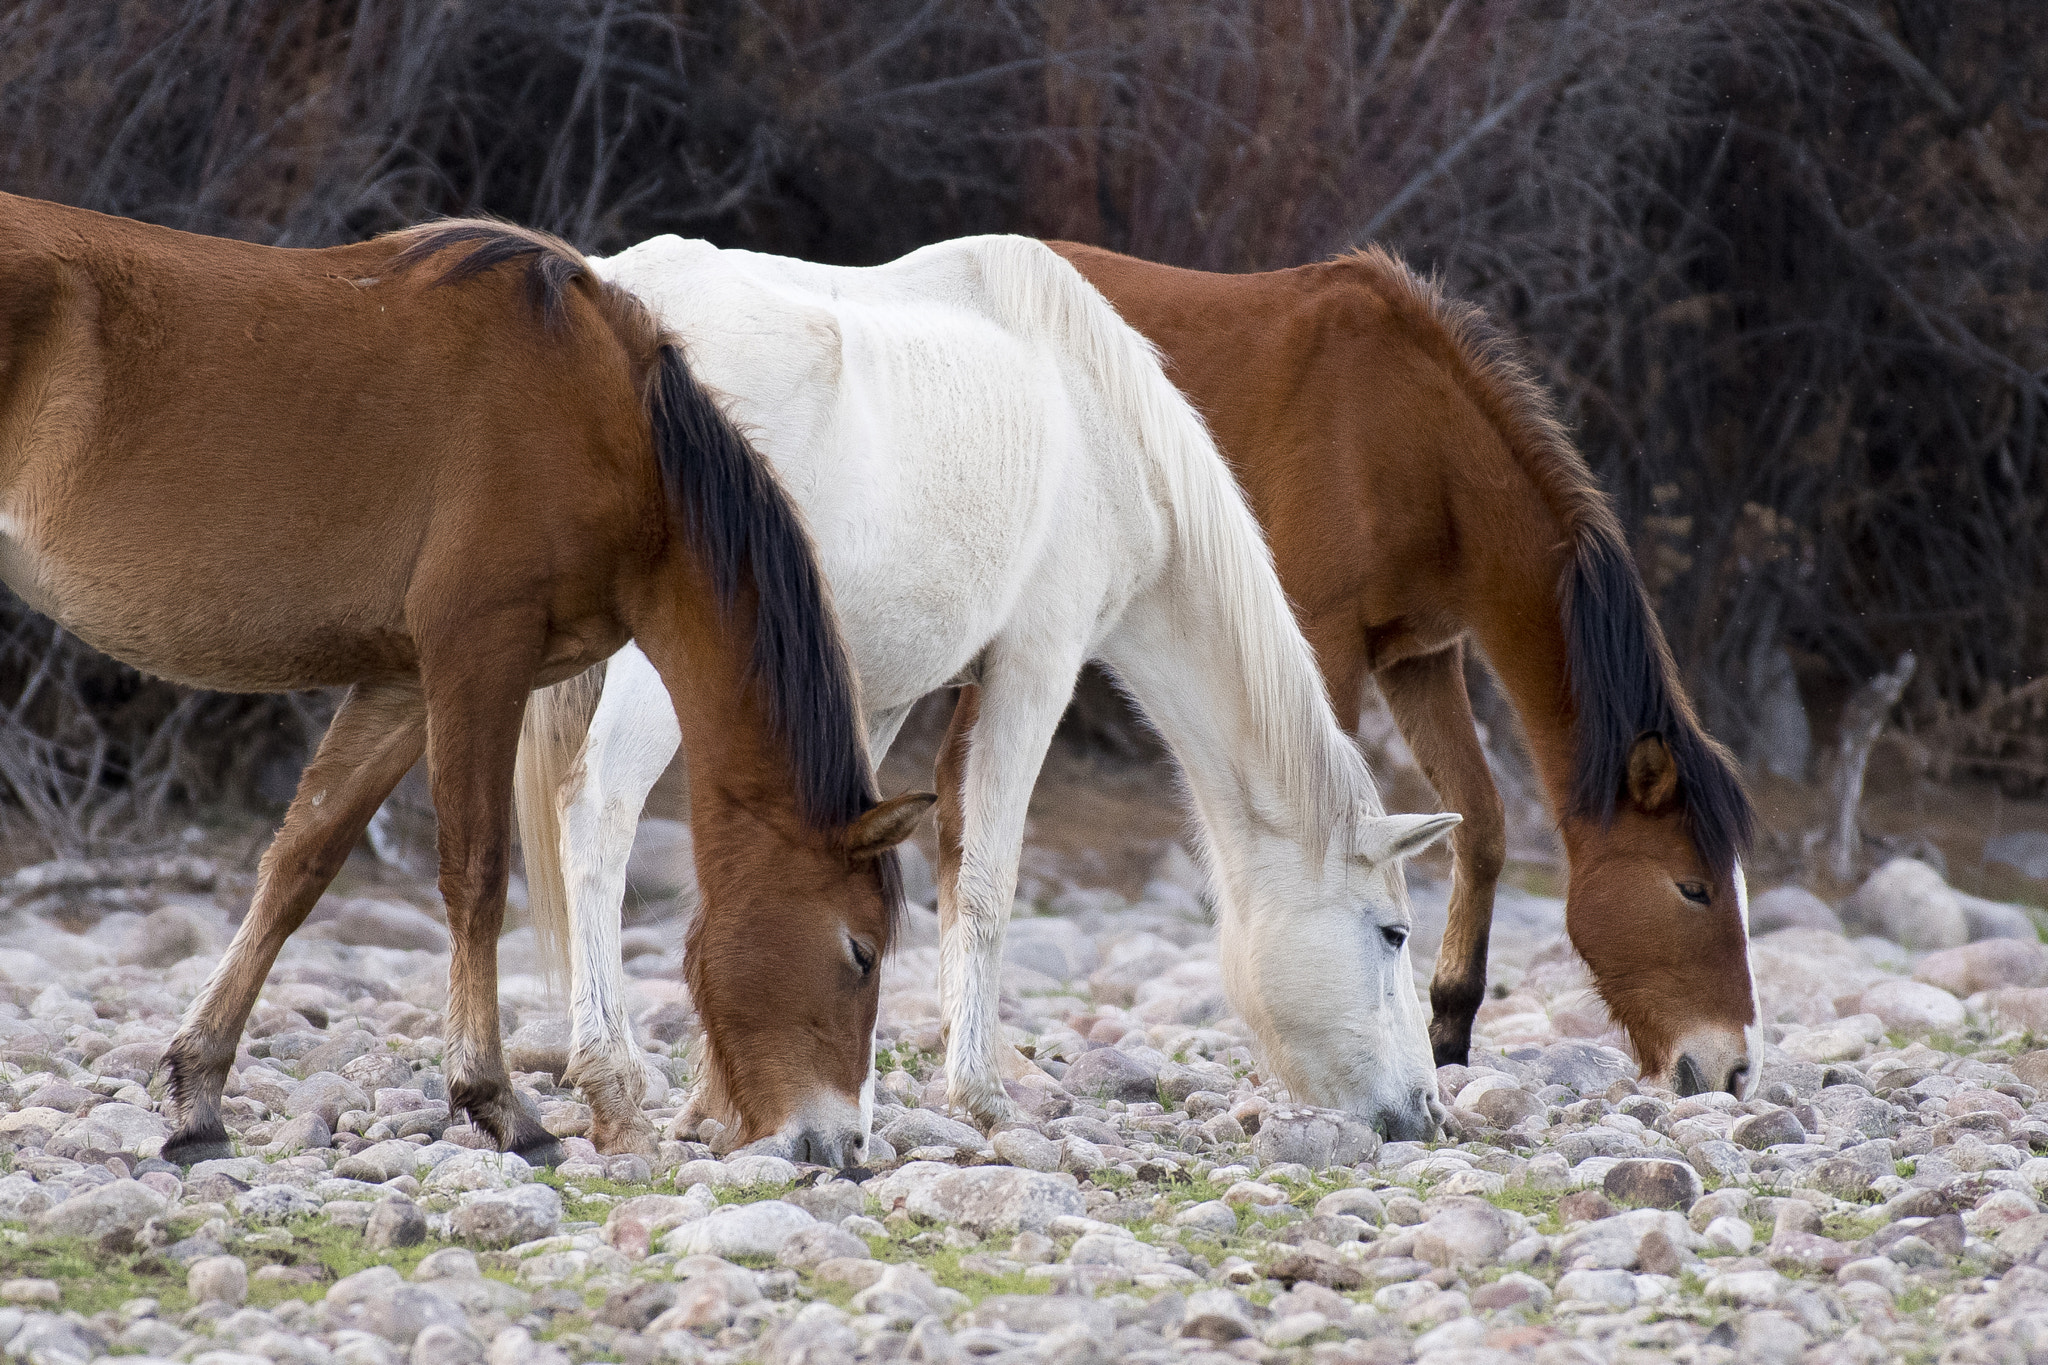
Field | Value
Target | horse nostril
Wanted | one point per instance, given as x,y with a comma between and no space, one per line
1688,1080
1738,1078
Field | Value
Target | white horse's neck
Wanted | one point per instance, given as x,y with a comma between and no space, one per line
1264,788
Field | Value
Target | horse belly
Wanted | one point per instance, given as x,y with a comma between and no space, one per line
223,630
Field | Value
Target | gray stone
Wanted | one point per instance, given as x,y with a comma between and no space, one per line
2025,851
983,1199
379,1302
1654,1183
1112,1074
444,1344
1027,1148
812,1246
273,1204
304,1133
637,1305
168,936
1216,1315
388,924
1758,1131
1212,1216
542,1045
1463,1231
1791,907
119,1206
663,862
327,1094
218,1279
21,1198
1507,1106
1585,1067
829,1201
396,1223
1357,1202
758,1229
1315,1138
1997,919
506,1218
928,1128
380,1161
1907,902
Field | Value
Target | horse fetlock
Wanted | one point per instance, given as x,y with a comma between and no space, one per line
197,1142
622,1134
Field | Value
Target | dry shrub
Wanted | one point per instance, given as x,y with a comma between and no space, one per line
1780,258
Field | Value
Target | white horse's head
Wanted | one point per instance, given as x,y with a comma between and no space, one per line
1316,960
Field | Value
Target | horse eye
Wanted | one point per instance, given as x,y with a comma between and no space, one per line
1395,936
1696,892
863,956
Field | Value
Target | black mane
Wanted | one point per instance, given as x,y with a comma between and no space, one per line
734,511
1623,685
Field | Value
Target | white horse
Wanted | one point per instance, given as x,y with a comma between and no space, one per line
1002,485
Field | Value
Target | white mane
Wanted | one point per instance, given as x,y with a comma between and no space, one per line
1322,775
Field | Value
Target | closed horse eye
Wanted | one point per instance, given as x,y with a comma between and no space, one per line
1395,936
1696,892
863,956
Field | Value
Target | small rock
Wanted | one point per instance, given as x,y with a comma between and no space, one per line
218,1279
388,924
1758,1131
2025,851
395,1223
1791,907
1464,1231
634,1307
1653,1182
1212,1216
758,1229
1315,1138
1109,1073
542,1045
495,1218
1907,902
983,1199
1027,1148
927,1128
1216,1315
444,1344
1912,1007
119,1206
327,1094
1987,965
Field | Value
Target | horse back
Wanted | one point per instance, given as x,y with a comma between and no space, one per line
251,467
1389,494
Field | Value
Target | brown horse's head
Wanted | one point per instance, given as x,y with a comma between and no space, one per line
787,986
1665,930
1656,824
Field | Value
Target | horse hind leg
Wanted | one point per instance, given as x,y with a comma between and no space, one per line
1428,698
633,736
374,738
476,679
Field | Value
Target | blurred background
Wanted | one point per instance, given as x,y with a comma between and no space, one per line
1783,262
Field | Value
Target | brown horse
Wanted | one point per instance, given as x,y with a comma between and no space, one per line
1418,489
256,469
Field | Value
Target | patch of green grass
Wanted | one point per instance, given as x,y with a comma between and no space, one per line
750,1194
946,1271
580,1207
93,1280
1538,1206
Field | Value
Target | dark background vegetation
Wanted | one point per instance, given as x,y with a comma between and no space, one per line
1783,260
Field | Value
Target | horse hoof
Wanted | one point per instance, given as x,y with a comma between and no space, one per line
535,1145
627,1139
189,1148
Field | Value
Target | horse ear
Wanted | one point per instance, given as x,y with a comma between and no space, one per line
1652,775
1384,838
887,825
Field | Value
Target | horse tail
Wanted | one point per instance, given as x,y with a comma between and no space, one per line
1040,294
550,759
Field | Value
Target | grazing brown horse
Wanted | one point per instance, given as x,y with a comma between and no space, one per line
1418,490
255,469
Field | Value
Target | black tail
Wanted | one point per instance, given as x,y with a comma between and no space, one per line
1624,685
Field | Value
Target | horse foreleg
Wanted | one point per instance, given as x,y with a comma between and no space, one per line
633,736
476,686
949,775
374,738
1428,698
1022,696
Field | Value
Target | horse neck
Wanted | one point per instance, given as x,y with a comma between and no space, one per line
1240,704
1516,619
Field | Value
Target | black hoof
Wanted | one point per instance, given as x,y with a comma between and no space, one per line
189,1147
535,1145
1454,1051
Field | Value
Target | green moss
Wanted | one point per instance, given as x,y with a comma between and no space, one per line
751,1194
92,1279
1538,1206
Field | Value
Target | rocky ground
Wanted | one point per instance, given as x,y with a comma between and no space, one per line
1878,1199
